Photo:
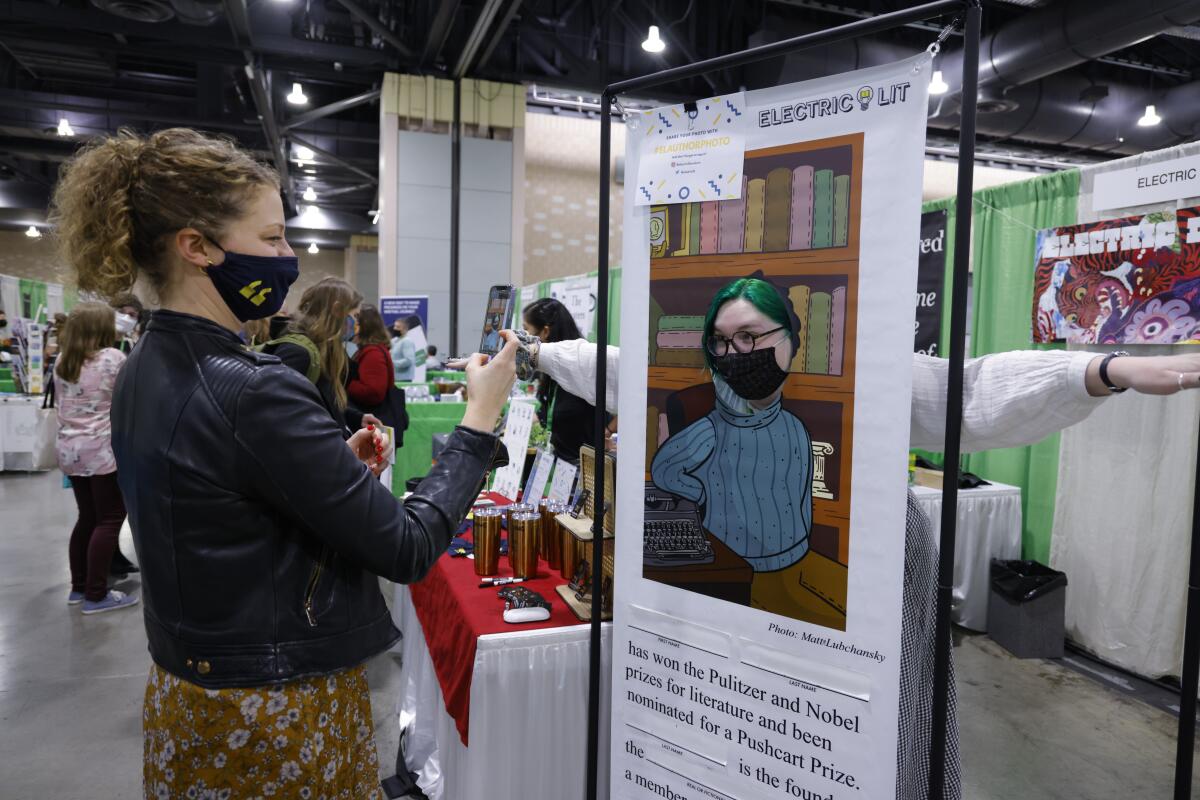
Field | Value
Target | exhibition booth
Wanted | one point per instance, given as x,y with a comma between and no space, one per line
734,588
812,215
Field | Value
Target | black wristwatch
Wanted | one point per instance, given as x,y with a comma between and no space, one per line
1112,387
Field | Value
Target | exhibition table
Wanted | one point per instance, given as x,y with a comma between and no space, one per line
989,526
424,420
490,709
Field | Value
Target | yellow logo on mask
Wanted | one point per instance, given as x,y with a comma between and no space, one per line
248,292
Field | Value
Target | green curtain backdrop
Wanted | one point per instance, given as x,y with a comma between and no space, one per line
1006,221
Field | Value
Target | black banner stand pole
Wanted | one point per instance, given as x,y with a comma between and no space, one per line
963,205
877,24
1186,739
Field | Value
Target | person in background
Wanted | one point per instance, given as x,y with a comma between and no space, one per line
256,332
277,325
84,379
130,315
403,352
261,529
312,345
372,383
431,360
130,312
571,420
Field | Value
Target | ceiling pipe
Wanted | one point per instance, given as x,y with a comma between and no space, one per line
475,37
1066,34
335,107
1061,108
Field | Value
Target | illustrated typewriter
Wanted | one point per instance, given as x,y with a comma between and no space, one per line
673,535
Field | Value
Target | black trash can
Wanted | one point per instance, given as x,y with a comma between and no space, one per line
1026,608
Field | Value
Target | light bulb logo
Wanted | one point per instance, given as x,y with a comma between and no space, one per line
864,97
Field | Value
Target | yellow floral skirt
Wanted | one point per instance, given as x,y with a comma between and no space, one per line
310,739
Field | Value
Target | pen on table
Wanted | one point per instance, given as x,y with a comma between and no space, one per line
490,582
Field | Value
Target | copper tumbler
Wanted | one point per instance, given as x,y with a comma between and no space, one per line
551,542
544,510
522,543
568,560
516,508
487,540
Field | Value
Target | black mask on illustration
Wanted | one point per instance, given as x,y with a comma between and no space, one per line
754,375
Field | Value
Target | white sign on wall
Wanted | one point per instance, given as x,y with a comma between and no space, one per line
763,659
1163,181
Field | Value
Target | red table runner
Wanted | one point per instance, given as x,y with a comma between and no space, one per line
454,612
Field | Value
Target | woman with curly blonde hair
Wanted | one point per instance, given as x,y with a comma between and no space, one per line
260,529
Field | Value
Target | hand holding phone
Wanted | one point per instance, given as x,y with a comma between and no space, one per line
489,381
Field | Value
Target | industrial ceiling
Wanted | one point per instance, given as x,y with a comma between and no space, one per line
1063,82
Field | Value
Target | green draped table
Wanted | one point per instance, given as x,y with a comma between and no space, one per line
424,420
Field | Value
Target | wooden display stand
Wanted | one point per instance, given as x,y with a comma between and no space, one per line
581,532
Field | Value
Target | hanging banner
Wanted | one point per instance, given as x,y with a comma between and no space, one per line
1134,280
691,151
756,641
931,280
394,307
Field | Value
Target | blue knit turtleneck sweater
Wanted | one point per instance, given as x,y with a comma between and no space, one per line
753,474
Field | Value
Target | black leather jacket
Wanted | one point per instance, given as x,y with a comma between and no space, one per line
258,532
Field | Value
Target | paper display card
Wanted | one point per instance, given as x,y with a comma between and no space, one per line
1133,280
690,152
579,296
517,428
564,480
543,465
756,639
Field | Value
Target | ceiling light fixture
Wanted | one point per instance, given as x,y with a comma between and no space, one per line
937,84
1150,118
654,43
310,195
64,127
313,249
303,154
297,97
33,233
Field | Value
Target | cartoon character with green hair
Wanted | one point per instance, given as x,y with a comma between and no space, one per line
748,463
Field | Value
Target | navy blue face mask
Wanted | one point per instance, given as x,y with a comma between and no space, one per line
253,287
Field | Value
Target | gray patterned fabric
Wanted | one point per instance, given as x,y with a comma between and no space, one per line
916,667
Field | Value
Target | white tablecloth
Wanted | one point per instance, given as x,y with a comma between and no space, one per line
989,526
27,434
528,724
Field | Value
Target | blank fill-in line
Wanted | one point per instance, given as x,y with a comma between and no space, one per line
676,744
689,778
678,641
807,683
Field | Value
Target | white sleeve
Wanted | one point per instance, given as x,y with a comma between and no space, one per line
572,365
1009,399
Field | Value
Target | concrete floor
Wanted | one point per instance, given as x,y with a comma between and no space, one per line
71,691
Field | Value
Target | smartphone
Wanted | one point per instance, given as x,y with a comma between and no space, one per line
496,317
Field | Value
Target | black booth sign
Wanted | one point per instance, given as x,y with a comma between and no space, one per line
931,279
